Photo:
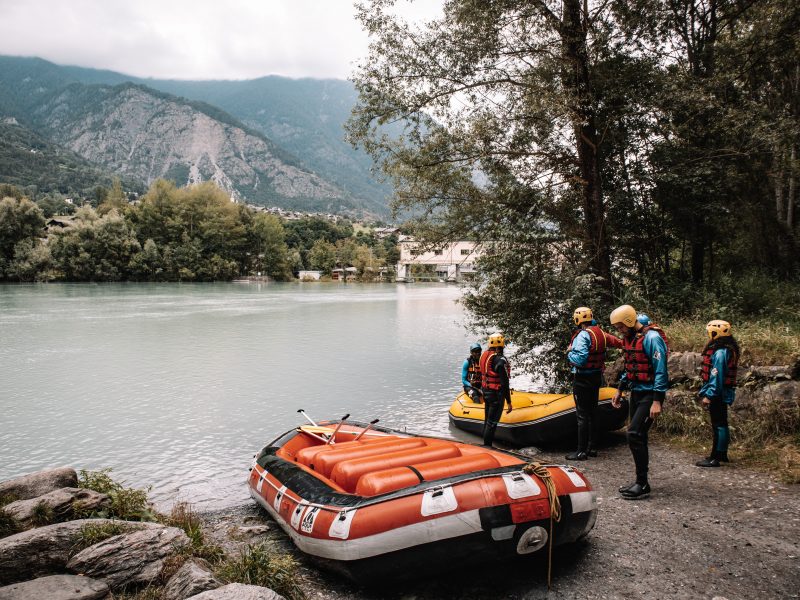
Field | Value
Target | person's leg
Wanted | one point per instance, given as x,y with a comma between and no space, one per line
582,391
593,400
718,412
492,414
637,441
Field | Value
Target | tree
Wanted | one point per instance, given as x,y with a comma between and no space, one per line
21,222
322,256
266,240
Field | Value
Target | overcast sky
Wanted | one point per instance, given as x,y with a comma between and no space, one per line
194,39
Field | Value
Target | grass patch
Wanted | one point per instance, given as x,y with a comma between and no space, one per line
763,342
183,517
8,524
129,504
6,499
263,565
42,514
768,440
94,533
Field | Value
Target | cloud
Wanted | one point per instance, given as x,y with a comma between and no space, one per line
193,39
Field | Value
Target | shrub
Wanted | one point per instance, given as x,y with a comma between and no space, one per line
42,514
185,518
8,524
130,504
94,533
263,565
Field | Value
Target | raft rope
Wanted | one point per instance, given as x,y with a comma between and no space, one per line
538,469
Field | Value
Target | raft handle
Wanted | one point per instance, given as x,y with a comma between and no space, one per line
437,491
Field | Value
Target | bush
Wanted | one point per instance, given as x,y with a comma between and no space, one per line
93,533
130,504
8,524
183,516
263,565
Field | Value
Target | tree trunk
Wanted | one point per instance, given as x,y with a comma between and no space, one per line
790,199
779,185
576,79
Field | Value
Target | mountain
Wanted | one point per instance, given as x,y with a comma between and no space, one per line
272,140
30,160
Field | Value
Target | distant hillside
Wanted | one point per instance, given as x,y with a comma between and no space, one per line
27,159
300,120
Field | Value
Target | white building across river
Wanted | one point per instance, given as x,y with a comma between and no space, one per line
452,261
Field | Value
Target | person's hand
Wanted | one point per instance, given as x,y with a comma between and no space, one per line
616,401
508,410
706,402
655,409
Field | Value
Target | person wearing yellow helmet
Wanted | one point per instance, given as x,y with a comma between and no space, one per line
587,356
718,372
647,378
495,374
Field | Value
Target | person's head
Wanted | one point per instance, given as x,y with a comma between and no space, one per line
475,350
497,342
623,319
718,329
582,316
643,319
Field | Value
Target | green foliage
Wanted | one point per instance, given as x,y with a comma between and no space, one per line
129,504
94,533
185,518
8,524
42,514
265,566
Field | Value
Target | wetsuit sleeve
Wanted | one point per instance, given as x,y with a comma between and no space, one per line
464,371
499,367
580,349
612,341
656,350
716,378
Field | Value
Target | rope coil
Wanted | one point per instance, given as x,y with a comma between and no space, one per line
538,469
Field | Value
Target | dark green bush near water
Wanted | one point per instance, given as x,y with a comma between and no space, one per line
128,504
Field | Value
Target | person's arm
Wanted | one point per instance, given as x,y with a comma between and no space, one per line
464,376
612,341
500,367
580,349
716,377
656,350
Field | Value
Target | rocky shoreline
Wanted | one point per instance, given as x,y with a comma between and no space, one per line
80,558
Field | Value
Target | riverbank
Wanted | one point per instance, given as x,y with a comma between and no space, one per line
703,533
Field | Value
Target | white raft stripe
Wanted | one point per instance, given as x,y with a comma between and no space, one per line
583,501
576,479
424,532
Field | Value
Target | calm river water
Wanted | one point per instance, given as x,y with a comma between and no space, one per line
177,385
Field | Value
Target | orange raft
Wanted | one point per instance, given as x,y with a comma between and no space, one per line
391,503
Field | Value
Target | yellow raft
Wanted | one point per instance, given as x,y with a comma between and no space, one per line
537,419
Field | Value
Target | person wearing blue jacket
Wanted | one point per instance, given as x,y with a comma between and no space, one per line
471,373
647,378
718,372
587,356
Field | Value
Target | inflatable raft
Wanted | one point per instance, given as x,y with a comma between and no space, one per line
537,419
391,504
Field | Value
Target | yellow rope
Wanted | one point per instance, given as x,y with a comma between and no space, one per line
542,473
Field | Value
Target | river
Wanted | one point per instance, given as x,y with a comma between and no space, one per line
178,385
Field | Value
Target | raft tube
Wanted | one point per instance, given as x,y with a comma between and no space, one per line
537,419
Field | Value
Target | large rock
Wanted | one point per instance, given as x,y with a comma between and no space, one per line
239,591
56,587
129,558
683,366
64,504
37,484
192,578
46,550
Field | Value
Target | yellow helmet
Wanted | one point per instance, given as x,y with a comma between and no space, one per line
717,329
582,315
624,314
496,340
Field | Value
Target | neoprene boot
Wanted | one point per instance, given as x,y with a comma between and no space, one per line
638,491
577,455
711,461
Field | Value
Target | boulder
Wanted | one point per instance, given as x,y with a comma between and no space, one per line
37,484
56,587
46,550
683,366
192,578
64,504
130,558
771,373
239,591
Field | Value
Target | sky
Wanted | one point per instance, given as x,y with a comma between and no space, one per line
195,39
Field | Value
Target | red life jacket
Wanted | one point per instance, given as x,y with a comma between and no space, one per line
491,380
474,372
637,363
730,372
597,348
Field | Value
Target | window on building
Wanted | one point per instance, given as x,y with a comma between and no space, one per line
465,251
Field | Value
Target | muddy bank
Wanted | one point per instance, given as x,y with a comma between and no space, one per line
714,533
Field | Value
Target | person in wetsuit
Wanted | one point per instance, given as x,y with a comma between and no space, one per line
495,374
